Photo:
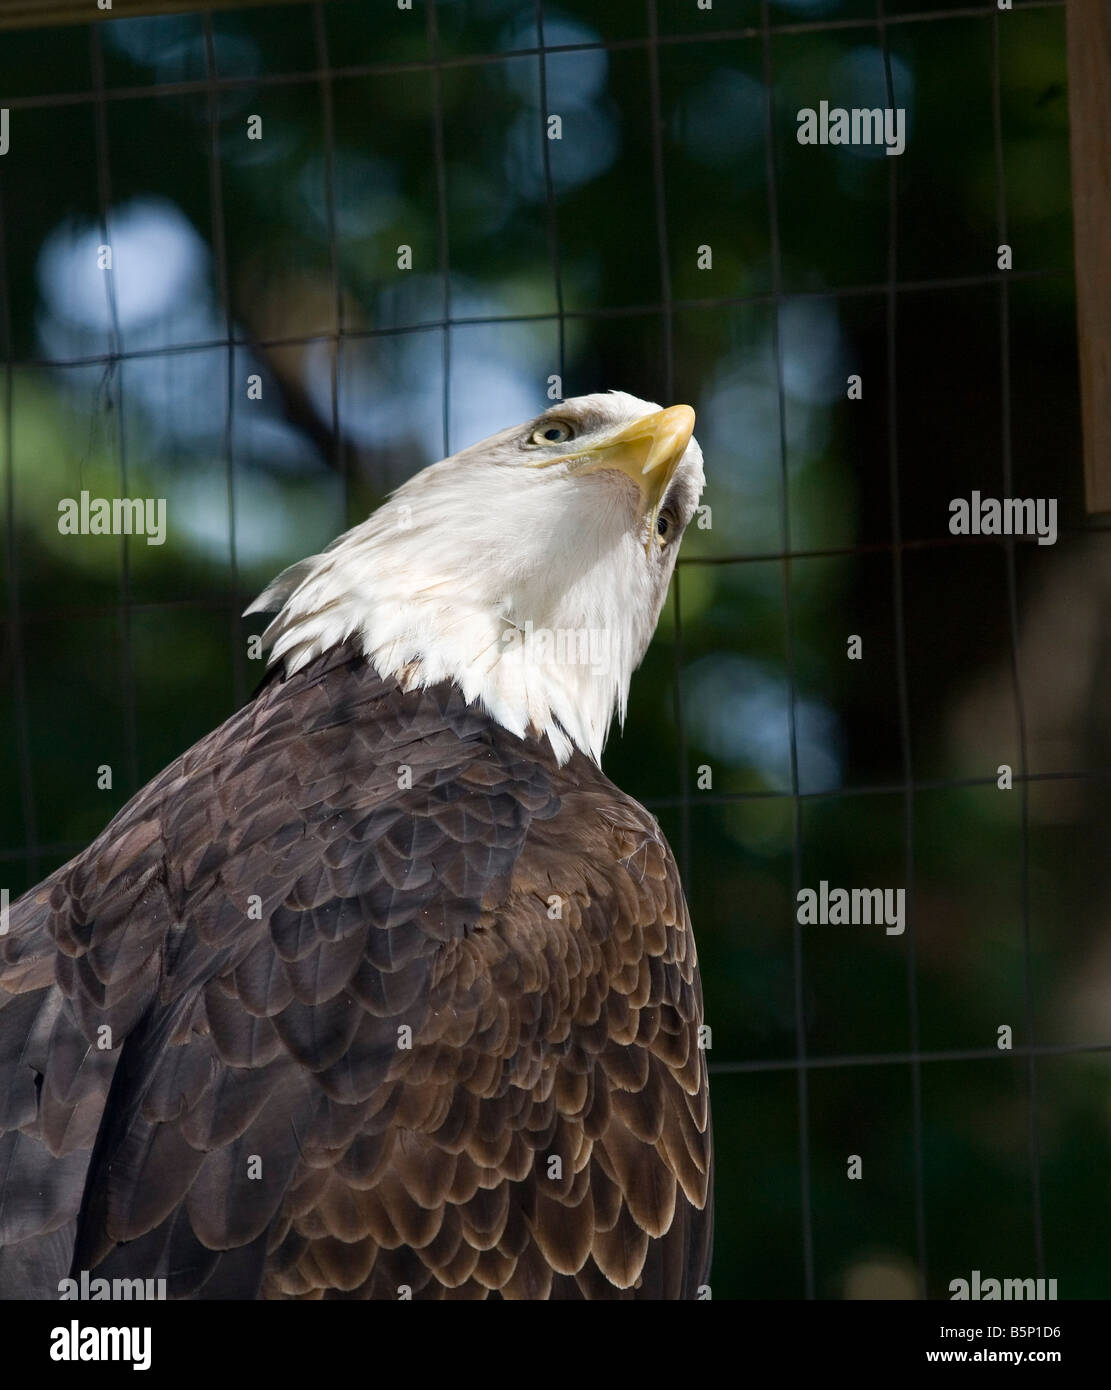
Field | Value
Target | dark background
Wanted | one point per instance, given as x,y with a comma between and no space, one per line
829,516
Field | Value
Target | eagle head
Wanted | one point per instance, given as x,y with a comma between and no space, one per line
529,569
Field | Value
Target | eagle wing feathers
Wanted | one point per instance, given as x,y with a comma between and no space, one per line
362,995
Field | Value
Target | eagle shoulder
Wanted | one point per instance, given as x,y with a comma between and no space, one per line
392,1001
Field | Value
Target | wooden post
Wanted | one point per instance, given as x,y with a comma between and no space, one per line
1089,58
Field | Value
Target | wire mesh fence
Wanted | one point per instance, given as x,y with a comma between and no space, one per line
347,240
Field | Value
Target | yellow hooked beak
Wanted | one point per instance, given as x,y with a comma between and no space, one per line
648,451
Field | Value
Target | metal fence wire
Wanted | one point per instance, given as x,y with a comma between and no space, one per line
697,97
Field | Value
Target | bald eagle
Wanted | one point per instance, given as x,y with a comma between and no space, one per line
382,989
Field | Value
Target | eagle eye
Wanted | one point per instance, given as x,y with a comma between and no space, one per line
554,432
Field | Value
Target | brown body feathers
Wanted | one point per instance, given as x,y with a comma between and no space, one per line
362,994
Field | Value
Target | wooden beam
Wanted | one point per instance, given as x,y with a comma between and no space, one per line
1089,57
38,14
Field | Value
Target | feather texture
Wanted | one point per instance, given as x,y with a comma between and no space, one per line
364,992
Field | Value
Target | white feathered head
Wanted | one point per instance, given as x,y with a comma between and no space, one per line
530,569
